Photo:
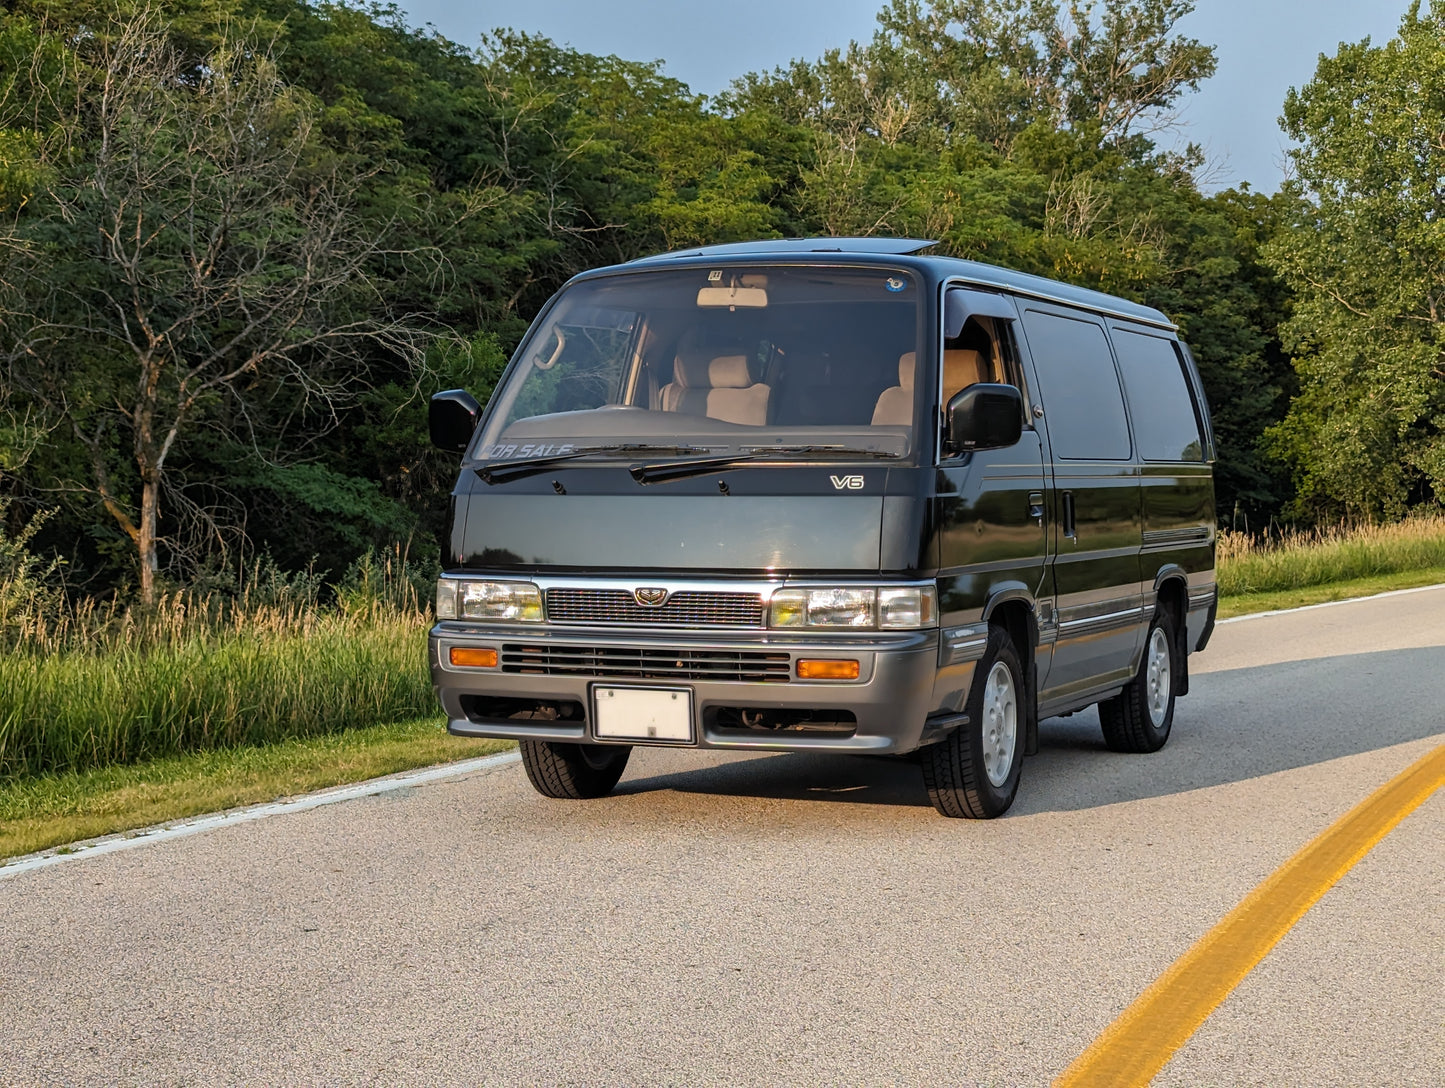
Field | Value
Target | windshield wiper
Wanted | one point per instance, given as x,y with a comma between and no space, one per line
500,472
697,466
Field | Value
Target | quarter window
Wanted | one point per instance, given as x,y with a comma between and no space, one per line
1080,388
1165,423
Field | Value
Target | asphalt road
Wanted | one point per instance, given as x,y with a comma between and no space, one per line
782,919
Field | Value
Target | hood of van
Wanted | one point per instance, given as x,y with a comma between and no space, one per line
657,529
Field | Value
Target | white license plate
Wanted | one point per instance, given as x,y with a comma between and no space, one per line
643,713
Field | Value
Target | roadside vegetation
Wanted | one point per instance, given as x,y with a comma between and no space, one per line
92,685
113,718
1299,560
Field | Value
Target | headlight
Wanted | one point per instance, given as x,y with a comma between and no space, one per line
858,608
507,602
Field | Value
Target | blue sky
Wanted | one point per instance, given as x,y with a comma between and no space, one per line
1264,47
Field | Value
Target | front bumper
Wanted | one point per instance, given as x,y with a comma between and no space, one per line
889,703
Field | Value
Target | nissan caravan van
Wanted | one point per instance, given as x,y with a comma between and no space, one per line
826,495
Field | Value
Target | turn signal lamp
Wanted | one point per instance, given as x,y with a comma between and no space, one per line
827,670
473,657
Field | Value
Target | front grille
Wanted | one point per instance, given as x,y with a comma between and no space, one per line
686,608
637,663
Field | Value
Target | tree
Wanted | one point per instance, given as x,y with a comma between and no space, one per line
1366,259
190,268
946,71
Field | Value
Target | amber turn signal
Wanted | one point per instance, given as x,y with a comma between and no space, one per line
827,670
473,657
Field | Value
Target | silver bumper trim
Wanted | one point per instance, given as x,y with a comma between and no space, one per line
890,700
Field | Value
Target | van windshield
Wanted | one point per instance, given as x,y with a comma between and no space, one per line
817,361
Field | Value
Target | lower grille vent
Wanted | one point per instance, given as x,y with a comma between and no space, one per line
637,663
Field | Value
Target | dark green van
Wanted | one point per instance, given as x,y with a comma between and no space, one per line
826,495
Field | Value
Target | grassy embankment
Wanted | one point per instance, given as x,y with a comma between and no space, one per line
108,723
111,720
1259,575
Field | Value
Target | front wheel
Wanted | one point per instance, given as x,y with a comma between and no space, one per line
974,772
1139,718
573,772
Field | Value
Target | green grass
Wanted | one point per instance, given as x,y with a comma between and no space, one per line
1249,565
1245,603
41,811
123,703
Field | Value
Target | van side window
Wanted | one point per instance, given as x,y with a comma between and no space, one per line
1079,386
1166,425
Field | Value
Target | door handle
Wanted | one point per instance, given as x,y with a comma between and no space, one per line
1036,504
1067,500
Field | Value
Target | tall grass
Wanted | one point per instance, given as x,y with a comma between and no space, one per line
1297,560
85,684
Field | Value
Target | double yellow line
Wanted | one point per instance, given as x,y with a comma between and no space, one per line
1137,1045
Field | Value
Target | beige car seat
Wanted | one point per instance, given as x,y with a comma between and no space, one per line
895,404
963,367
716,386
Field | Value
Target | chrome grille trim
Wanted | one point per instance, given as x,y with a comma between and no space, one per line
647,663
683,608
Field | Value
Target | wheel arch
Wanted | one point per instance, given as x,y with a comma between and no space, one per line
1013,608
1171,589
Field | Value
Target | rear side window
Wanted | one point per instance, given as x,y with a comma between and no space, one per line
1080,388
1165,423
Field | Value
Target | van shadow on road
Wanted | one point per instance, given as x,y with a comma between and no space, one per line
1235,725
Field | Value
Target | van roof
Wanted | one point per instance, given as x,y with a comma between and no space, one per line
986,275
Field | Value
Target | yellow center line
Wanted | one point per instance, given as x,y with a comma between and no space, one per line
1136,1046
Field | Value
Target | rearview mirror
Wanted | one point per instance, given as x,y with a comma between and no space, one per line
733,297
985,416
451,418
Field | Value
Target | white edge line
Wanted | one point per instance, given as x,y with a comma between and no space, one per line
129,840
1330,604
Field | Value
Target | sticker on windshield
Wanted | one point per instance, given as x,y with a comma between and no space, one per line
528,449
894,283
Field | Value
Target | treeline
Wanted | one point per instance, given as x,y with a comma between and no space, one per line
241,243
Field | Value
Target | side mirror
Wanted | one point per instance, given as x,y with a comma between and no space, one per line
451,418
985,416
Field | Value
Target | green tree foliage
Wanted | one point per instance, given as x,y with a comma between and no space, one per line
1020,132
1366,261
190,261
948,71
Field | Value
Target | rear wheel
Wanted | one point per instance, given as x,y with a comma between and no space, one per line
1139,718
573,772
974,772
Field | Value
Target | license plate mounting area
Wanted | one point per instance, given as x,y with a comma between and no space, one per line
642,714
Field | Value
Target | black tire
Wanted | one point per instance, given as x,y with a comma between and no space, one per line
573,772
1139,718
955,769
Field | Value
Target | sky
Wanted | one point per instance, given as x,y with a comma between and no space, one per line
1264,47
